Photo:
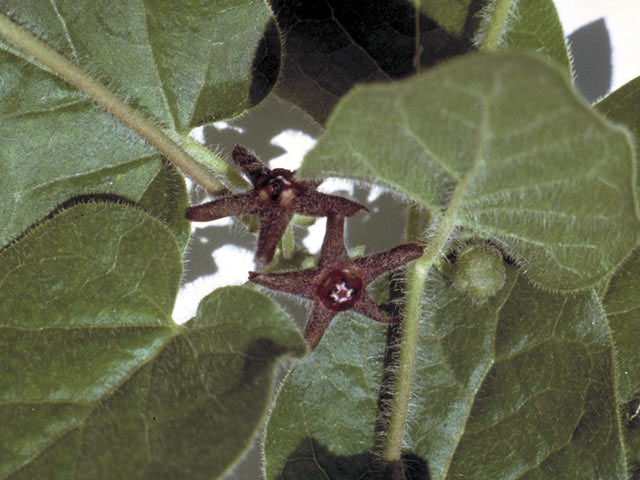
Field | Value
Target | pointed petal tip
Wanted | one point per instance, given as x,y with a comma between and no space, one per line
411,250
259,278
388,319
239,150
188,214
199,213
352,209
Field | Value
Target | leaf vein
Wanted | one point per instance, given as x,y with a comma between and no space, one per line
412,134
63,24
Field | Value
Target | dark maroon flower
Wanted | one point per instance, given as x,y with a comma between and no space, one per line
338,283
275,198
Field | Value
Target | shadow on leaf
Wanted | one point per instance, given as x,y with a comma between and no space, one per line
330,46
311,460
72,202
260,355
266,64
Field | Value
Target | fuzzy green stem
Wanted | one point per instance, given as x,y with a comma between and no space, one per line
71,73
417,276
496,25
203,156
416,279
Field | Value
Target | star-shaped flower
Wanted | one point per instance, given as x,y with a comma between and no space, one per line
275,198
338,283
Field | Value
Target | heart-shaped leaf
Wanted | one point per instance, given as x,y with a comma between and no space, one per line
521,386
501,146
96,381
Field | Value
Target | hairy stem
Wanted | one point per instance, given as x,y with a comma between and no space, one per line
417,276
496,25
100,94
204,156
416,279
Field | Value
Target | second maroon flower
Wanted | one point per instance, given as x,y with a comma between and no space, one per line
338,283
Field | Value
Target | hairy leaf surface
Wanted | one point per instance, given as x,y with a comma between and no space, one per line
95,378
167,199
622,106
521,386
622,305
180,64
536,27
620,294
502,146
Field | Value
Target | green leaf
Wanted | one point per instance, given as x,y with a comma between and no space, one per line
181,64
450,15
57,145
518,387
622,305
167,199
95,378
536,27
328,400
330,45
193,60
621,106
502,146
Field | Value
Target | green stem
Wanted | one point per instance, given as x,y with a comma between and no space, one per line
417,276
203,156
71,73
496,25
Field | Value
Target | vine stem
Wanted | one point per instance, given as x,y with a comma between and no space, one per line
416,279
445,223
496,25
101,95
419,271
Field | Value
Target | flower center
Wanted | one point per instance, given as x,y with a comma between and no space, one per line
279,187
340,288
